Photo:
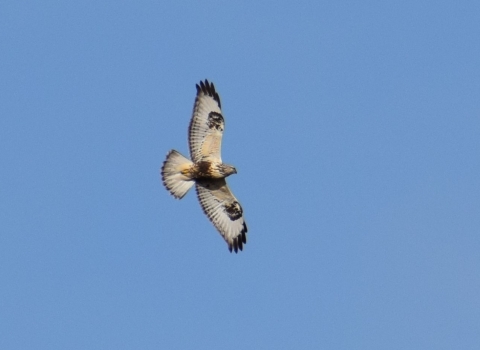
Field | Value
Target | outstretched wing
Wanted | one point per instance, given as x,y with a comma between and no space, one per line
224,211
207,124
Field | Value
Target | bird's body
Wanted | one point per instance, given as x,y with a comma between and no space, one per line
206,169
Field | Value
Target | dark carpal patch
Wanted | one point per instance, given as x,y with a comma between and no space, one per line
215,121
234,210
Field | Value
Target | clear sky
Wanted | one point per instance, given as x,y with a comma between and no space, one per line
354,127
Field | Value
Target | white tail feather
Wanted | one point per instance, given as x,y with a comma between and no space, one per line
176,183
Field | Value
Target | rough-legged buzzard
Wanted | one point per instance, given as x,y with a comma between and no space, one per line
206,170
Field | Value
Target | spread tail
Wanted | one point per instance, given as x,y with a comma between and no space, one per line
174,174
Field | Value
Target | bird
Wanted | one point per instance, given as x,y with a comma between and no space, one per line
206,170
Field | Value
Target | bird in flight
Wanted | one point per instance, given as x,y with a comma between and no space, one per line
206,170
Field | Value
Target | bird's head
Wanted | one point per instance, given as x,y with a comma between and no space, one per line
228,170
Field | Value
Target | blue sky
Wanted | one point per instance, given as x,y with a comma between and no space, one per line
355,130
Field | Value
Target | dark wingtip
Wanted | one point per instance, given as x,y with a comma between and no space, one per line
209,89
239,241
235,245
